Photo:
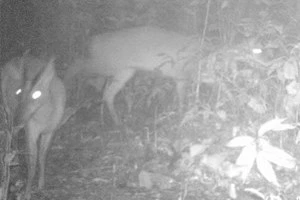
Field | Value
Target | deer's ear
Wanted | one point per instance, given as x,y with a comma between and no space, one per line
46,75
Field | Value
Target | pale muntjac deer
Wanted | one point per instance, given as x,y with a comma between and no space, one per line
12,79
120,54
38,107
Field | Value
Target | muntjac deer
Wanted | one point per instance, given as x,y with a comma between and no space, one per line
12,79
39,107
120,54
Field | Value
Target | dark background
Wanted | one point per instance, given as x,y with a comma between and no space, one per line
61,27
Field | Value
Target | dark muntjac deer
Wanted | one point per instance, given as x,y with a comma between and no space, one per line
120,54
38,107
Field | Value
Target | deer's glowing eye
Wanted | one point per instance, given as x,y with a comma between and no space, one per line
18,91
256,51
36,94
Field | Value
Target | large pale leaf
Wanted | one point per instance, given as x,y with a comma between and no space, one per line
246,159
247,156
274,125
278,156
240,141
266,169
